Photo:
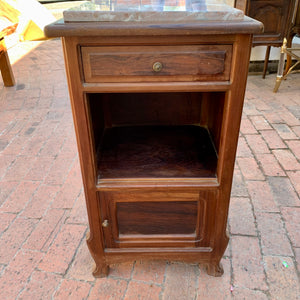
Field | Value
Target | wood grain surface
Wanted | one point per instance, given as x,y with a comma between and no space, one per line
135,63
157,217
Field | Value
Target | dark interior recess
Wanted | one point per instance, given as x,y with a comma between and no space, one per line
156,135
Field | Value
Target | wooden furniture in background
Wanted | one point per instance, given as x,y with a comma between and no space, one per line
294,29
9,18
157,112
276,15
30,15
5,66
291,53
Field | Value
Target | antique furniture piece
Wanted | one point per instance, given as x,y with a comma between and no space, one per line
8,24
276,15
290,52
5,66
157,102
293,30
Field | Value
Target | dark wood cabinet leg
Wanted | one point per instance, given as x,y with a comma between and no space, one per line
215,269
266,61
101,268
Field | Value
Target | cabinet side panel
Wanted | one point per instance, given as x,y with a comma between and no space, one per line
97,115
212,115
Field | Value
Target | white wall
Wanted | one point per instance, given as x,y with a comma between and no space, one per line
258,53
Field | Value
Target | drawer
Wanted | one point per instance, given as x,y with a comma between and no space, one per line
156,63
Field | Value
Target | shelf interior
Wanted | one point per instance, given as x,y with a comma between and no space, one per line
156,135
156,151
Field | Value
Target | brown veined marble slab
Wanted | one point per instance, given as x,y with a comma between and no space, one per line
151,11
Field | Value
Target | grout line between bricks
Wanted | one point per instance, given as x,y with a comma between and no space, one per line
231,265
161,295
75,253
292,247
197,278
129,280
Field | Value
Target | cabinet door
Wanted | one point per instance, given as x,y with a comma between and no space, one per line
157,219
275,15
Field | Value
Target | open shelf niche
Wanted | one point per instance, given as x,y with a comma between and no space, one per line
156,135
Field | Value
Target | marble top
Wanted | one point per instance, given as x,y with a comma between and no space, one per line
151,11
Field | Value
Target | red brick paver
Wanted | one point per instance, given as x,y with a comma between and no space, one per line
257,144
247,263
151,271
273,139
181,281
17,273
282,277
241,217
259,190
43,221
61,252
291,216
274,239
42,285
141,290
75,290
270,165
109,289
259,122
250,168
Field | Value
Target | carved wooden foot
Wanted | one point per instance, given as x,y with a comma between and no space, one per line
215,269
101,271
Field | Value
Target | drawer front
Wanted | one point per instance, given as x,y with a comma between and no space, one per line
157,219
156,63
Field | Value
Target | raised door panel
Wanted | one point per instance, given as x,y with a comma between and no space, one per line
275,17
157,219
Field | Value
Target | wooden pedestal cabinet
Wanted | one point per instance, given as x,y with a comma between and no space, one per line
157,110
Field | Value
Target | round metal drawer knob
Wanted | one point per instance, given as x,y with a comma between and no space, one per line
157,66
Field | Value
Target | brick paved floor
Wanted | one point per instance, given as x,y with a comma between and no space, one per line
43,221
